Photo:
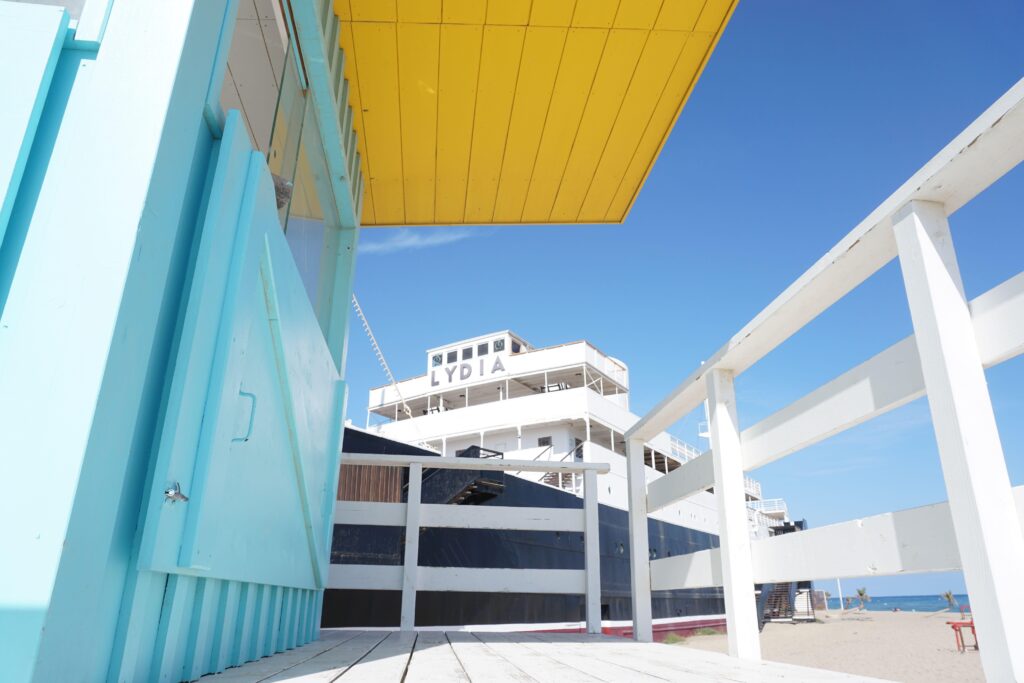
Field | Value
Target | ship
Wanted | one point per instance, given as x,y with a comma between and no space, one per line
498,396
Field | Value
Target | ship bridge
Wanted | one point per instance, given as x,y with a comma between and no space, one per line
499,367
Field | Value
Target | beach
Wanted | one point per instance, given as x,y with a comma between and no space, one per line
911,647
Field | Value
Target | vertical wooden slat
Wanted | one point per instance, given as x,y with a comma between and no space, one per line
227,629
639,560
592,554
412,548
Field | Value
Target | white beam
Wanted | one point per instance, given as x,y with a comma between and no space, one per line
639,550
472,580
909,541
486,464
461,516
987,530
984,152
693,476
885,382
702,569
734,536
370,514
410,581
459,579
502,517
592,551
373,577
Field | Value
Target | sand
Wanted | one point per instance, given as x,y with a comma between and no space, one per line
914,647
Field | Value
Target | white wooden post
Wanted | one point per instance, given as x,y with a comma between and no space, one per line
412,547
592,551
733,533
639,551
985,519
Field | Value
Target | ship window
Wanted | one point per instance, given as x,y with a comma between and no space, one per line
436,360
453,356
499,345
467,353
481,349
544,441
515,347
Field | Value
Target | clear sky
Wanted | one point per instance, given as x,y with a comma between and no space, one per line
808,115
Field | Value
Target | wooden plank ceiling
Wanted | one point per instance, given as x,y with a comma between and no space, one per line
517,111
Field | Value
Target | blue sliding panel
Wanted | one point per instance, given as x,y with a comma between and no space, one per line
254,401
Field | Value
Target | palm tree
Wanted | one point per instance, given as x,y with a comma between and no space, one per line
950,598
862,595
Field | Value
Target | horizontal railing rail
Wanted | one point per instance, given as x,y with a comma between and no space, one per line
415,515
979,530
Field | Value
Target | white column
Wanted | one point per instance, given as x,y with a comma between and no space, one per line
412,548
734,535
519,437
985,520
639,550
592,551
588,427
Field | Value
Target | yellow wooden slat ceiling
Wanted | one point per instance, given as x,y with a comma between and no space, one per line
517,111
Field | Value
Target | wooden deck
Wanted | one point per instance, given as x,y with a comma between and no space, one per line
385,656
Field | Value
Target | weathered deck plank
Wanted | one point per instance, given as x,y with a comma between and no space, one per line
539,666
386,662
393,657
481,663
333,662
434,660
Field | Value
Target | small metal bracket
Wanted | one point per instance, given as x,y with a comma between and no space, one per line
174,494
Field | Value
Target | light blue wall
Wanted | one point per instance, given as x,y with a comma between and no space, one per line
100,270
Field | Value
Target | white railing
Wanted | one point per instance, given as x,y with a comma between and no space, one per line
979,530
681,450
769,506
413,515
752,486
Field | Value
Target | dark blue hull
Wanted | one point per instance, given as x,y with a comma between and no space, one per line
486,548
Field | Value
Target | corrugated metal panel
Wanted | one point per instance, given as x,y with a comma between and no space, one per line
472,112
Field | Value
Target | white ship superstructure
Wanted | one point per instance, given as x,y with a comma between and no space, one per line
569,401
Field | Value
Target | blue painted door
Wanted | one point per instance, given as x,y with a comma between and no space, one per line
252,420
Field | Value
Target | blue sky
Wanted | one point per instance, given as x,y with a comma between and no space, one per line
808,115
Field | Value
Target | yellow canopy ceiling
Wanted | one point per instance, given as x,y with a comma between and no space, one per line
517,111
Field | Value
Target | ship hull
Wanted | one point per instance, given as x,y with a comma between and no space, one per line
485,548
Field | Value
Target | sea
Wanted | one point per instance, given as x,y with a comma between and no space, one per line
903,603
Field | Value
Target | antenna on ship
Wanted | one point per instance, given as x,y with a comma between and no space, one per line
380,355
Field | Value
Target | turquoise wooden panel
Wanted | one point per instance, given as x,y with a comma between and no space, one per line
31,37
251,424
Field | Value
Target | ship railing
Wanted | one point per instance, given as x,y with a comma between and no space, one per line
414,515
955,340
568,481
769,506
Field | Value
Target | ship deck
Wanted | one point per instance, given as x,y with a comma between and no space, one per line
384,656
